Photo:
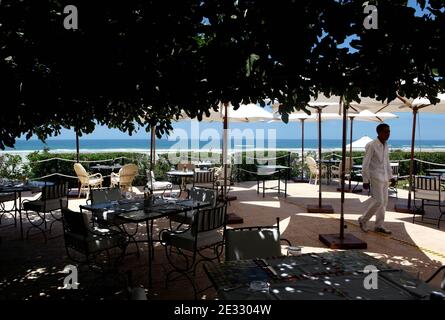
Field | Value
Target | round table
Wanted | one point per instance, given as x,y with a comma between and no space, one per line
102,168
183,175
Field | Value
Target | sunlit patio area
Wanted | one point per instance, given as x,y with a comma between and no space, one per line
33,268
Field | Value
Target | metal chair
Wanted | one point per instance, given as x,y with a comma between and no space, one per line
204,178
154,185
88,242
7,197
48,202
193,244
395,176
253,242
107,195
429,190
195,194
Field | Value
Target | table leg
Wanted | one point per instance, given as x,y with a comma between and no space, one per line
264,185
149,240
19,209
285,185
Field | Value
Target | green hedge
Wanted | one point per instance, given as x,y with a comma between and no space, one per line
39,169
12,167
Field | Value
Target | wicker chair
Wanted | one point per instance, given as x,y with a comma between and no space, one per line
124,179
313,170
86,180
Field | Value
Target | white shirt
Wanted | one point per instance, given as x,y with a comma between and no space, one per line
376,162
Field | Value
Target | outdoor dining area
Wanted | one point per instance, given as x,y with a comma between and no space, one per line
222,151
172,239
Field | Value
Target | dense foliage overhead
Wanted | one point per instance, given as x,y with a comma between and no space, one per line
138,61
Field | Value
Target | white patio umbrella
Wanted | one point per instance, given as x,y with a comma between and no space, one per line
225,113
330,105
360,143
403,104
302,117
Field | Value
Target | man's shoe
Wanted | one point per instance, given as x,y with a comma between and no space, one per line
382,230
362,225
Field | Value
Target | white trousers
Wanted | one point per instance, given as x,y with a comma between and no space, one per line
378,203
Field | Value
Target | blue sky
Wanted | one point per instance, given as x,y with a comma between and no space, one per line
430,127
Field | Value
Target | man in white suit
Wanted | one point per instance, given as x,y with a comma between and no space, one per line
377,173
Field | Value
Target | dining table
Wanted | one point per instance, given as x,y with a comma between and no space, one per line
335,275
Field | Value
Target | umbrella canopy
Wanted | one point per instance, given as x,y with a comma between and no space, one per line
225,113
403,104
360,143
245,113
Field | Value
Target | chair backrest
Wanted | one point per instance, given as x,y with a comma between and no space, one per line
428,183
252,242
105,195
57,191
203,195
204,176
209,219
81,173
395,169
219,172
312,165
348,166
74,222
127,173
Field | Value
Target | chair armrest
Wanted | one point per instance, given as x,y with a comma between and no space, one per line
287,241
95,175
114,175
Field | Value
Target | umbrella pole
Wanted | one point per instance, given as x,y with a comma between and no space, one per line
225,151
411,163
401,207
319,157
342,240
302,149
151,147
320,208
350,151
77,160
77,146
343,167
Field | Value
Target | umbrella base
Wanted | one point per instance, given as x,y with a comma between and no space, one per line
349,241
326,208
403,208
233,218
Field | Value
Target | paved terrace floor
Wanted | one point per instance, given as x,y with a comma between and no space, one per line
32,269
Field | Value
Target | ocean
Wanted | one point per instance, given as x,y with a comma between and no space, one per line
141,145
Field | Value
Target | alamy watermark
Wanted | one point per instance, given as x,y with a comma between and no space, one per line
371,281
71,21
71,281
371,20
258,145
